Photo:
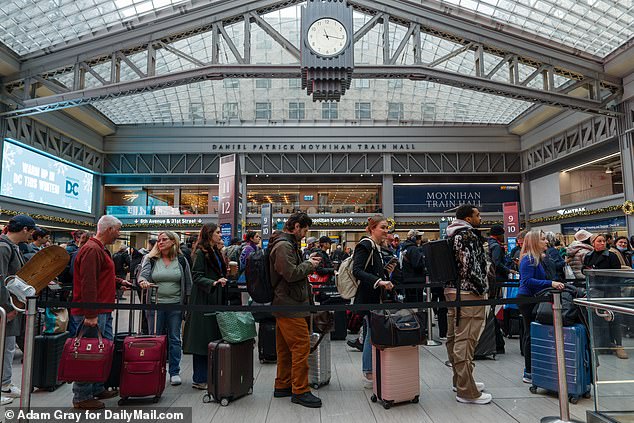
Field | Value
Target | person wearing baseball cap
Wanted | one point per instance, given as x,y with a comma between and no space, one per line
577,251
18,230
311,242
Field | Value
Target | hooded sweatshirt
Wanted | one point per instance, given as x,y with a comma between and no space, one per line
578,251
471,259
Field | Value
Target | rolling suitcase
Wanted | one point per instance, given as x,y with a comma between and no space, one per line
143,372
46,357
396,375
544,360
486,346
267,349
117,358
319,361
230,371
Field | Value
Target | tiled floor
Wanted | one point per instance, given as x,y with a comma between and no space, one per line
346,401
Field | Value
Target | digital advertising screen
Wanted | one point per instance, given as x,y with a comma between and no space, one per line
32,176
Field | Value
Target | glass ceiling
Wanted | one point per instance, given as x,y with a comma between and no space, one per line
27,26
594,26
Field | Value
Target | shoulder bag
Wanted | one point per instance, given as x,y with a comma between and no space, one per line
86,359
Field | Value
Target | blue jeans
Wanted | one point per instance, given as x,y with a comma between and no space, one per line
86,391
169,323
200,368
366,358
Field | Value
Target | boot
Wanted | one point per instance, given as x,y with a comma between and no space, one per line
621,353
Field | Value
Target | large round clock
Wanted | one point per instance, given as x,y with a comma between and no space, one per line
327,37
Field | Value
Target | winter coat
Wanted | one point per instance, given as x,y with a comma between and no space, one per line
367,293
577,251
325,266
412,262
532,277
10,263
603,286
470,256
289,274
554,264
201,327
496,252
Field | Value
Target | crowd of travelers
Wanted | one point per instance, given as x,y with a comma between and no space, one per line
198,270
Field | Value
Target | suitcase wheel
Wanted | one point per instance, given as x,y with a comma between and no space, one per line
387,404
315,386
533,389
156,399
250,391
206,398
121,401
587,395
574,400
415,400
373,398
224,402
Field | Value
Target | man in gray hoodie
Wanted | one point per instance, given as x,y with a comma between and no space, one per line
462,338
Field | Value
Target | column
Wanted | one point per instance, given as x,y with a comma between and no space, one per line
387,195
525,199
626,139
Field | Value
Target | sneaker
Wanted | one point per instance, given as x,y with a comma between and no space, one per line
282,392
442,338
621,353
11,391
5,400
527,378
367,383
484,398
175,380
479,385
201,386
355,344
89,404
307,399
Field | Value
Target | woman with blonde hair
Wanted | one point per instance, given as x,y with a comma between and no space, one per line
165,267
532,280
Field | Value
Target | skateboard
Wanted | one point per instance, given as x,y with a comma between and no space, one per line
43,267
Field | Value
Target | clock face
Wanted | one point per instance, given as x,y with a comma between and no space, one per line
327,37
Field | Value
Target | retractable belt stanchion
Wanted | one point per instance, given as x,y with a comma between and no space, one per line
29,346
3,332
564,411
430,318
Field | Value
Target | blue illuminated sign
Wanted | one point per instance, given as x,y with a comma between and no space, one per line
34,176
309,197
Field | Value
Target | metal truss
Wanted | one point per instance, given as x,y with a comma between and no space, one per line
512,53
46,139
318,163
456,163
589,132
165,164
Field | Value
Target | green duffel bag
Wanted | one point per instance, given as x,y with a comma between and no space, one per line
236,326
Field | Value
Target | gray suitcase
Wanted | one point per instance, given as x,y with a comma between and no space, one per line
319,362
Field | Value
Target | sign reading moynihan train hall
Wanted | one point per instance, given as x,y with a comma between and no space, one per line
446,198
263,147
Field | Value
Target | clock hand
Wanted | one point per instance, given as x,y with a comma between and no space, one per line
326,34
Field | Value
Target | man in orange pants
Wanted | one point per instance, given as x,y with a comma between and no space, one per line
289,278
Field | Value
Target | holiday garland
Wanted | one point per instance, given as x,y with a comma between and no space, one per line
577,214
628,207
47,218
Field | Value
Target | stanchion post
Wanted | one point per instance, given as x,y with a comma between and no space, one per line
29,346
430,318
3,332
564,411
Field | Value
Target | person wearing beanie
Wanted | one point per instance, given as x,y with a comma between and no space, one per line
606,338
577,251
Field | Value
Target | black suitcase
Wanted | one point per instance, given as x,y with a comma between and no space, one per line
486,347
267,349
340,329
46,357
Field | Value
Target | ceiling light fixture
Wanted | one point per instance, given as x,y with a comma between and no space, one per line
592,162
608,170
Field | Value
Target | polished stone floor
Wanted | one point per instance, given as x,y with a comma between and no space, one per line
345,400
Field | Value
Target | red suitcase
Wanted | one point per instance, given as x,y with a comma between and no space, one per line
143,372
396,375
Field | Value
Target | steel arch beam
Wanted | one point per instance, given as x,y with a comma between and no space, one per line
217,72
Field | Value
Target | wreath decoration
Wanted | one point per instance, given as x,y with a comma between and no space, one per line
391,223
628,207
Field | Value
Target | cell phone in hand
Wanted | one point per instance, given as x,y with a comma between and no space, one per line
393,260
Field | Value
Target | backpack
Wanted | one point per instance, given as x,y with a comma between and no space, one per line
440,261
258,276
347,284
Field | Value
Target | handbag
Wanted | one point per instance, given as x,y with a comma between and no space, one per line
570,313
86,359
316,278
236,326
397,328
55,320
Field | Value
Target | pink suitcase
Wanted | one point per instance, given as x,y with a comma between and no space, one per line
396,375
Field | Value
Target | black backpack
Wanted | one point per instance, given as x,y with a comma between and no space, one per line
440,261
258,277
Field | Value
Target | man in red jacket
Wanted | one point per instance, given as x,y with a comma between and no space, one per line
94,281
